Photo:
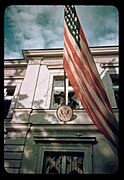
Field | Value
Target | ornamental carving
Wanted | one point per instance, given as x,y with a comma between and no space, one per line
64,113
36,61
106,59
14,72
52,62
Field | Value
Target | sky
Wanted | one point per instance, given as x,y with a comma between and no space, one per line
41,26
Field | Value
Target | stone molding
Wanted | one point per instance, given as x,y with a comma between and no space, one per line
52,61
106,59
14,71
35,61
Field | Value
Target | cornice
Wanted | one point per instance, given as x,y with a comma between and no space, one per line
15,63
58,53
45,56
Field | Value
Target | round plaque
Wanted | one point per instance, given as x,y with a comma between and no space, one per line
64,113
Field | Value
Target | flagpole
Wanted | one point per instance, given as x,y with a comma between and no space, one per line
65,87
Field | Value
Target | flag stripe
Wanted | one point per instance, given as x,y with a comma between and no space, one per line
97,102
86,105
84,76
87,66
90,63
91,81
73,52
90,86
86,93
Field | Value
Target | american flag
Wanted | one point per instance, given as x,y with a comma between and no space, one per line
84,76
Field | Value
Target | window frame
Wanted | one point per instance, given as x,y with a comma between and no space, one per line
105,76
115,87
13,99
10,98
66,88
65,146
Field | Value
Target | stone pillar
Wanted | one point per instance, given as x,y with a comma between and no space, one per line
42,88
108,87
28,87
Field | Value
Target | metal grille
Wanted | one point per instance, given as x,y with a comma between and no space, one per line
63,163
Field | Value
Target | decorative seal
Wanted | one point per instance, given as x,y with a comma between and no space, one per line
64,113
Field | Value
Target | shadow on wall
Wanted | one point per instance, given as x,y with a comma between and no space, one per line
17,131
107,155
23,148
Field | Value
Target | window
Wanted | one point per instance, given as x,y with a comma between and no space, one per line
60,155
8,96
59,96
71,98
63,163
115,83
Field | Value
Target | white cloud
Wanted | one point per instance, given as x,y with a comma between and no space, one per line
35,27
108,39
99,24
28,32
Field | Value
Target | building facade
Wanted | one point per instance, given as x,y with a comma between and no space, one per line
36,140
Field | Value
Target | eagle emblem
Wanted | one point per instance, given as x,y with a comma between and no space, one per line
64,113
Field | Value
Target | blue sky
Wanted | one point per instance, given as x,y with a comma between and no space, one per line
39,27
